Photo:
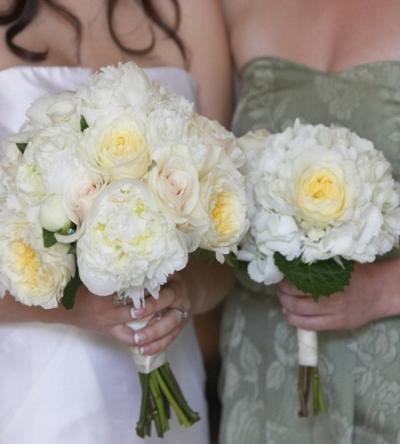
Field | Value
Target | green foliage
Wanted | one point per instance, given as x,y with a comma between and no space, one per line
49,238
68,300
22,147
322,278
84,124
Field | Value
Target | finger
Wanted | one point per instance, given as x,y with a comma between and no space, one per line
156,330
287,287
159,345
314,323
116,315
122,333
166,298
305,306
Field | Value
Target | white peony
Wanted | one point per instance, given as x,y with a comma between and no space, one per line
169,122
55,109
212,145
116,89
33,274
49,161
316,192
53,215
128,245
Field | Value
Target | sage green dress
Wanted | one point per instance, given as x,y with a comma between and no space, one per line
360,369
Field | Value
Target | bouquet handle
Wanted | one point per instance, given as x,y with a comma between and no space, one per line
308,379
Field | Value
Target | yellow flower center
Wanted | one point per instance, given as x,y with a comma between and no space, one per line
123,142
322,195
222,213
27,262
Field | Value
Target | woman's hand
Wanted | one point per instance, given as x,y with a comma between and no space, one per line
170,314
373,293
100,314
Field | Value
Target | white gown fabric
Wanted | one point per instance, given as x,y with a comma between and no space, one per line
63,385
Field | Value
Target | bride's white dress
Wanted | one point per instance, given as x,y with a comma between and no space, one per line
63,385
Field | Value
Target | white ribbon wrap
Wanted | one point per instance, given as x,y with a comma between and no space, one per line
145,364
308,347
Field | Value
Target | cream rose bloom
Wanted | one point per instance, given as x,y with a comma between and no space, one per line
128,245
316,192
33,274
175,183
117,147
223,197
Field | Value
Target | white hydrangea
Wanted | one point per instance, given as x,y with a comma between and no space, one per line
316,192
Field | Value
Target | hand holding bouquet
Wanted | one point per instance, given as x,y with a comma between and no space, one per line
319,199
114,185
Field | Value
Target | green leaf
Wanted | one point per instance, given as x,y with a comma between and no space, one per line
322,278
72,249
234,262
22,147
68,300
49,238
84,124
204,255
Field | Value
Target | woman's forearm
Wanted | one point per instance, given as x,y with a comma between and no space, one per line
13,311
210,283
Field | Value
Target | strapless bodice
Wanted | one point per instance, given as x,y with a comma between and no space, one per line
21,85
365,98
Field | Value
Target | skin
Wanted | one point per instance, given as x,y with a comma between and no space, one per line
329,37
97,48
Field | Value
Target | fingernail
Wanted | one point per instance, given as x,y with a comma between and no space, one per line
144,350
136,314
139,337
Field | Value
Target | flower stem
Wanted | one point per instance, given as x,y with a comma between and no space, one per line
318,397
160,415
303,386
141,425
171,382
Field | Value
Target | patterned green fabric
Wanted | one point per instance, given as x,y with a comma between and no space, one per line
360,369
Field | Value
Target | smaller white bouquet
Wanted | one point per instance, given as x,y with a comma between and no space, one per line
319,199
114,185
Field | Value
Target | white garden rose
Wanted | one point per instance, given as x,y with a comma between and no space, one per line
224,199
117,147
128,245
175,183
33,275
316,192
80,193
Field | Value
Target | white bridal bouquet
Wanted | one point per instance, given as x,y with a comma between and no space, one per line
319,199
114,185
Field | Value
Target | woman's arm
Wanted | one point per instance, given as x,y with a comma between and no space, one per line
373,294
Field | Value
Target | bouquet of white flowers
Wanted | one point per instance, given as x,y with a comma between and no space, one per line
319,198
114,185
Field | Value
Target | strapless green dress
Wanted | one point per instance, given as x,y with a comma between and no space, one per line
360,369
